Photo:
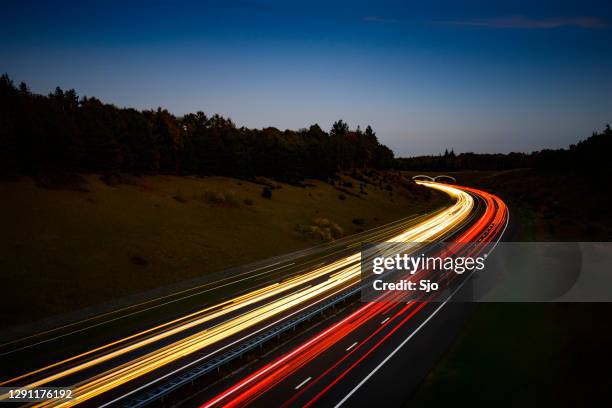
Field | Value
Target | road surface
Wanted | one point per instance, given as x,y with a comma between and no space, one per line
107,373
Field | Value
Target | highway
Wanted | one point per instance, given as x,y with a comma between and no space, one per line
105,373
333,367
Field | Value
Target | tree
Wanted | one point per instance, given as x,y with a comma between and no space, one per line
169,138
339,128
63,131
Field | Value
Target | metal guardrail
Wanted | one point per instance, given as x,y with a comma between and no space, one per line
165,388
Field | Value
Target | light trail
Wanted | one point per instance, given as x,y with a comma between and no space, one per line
265,303
488,227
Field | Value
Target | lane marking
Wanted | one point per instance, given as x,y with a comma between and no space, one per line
403,343
384,321
351,346
300,385
394,352
156,380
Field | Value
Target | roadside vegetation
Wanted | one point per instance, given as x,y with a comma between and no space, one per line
100,202
74,240
556,344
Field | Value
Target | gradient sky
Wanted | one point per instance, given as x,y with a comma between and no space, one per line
474,76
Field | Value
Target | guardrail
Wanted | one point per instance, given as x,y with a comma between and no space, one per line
164,389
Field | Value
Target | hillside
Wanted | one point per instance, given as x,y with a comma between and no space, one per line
547,205
78,240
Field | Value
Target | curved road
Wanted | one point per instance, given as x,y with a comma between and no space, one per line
110,373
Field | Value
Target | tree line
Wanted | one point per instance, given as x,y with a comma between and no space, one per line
587,156
62,131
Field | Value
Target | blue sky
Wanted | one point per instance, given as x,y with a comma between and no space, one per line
473,76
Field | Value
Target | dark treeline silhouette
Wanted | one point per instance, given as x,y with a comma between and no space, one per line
590,155
63,131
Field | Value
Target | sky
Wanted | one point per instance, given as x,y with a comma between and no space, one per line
482,76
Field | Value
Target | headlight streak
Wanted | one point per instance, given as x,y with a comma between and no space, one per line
342,273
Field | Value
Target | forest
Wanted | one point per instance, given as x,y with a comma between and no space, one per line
587,156
65,132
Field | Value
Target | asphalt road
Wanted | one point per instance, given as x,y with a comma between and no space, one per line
113,367
379,352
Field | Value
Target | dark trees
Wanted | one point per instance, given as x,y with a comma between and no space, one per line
65,132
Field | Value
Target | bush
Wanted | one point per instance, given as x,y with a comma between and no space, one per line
178,196
138,260
224,198
266,192
359,221
62,181
320,230
115,179
321,222
336,231
266,182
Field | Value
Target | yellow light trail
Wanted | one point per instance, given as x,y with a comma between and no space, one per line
342,274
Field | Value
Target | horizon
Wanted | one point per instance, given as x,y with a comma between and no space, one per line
483,78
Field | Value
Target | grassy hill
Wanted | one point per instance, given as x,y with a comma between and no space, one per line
72,241
548,205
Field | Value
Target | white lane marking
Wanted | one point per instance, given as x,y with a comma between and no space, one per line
300,385
403,343
351,346
156,380
395,351
384,321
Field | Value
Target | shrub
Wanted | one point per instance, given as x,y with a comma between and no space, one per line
320,230
266,192
266,182
359,221
62,181
224,198
111,180
314,232
178,196
321,222
115,179
336,231
138,260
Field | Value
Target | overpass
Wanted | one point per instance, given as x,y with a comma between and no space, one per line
440,178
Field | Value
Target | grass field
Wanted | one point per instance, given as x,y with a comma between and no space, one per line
554,206
518,355
87,239
532,354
